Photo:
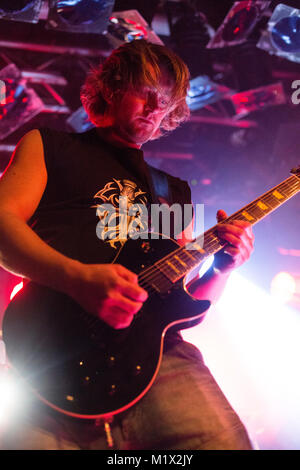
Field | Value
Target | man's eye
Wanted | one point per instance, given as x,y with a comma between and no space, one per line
163,102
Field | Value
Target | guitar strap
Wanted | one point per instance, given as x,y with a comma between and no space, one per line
159,186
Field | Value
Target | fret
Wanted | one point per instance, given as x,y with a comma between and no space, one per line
187,252
174,266
181,262
173,271
198,248
277,195
275,198
184,265
259,211
284,191
212,243
210,237
289,187
157,279
294,190
261,205
177,264
269,201
272,201
247,216
163,270
284,188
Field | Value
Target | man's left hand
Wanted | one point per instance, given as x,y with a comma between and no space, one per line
240,240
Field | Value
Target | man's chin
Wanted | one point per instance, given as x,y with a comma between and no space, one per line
140,138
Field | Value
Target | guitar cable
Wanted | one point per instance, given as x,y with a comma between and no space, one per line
107,429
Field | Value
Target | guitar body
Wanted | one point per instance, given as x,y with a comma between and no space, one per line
80,366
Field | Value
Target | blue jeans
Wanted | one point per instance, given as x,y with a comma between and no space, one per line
184,410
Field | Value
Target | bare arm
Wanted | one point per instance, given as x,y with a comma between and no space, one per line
22,252
109,291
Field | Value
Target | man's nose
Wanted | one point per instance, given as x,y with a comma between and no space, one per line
151,103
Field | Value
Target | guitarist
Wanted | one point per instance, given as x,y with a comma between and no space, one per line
48,199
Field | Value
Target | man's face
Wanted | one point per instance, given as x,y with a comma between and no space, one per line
139,112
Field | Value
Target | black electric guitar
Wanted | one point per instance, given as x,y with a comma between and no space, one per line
83,368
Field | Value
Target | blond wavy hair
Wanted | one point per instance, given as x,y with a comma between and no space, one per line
128,68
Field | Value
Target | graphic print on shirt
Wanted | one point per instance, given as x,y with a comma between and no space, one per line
121,208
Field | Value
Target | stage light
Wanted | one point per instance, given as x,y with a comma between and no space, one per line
238,24
286,34
282,37
20,10
250,342
21,103
8,389
11,398
283,287
258,99
127,26
205,266
81,16
125,30
204,91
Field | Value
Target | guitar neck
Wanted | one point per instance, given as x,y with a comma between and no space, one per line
186,258
255,211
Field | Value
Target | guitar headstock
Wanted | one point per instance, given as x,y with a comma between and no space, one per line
296,171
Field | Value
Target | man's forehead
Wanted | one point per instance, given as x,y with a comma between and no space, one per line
162,80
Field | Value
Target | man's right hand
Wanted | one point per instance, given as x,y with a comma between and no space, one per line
109,291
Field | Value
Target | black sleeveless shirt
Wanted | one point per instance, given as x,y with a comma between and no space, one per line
84,171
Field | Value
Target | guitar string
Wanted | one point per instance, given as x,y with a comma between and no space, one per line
159,264
232,217
212,243
167,283
152,272
267,199
213,228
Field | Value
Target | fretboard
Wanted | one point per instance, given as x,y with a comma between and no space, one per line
177,264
